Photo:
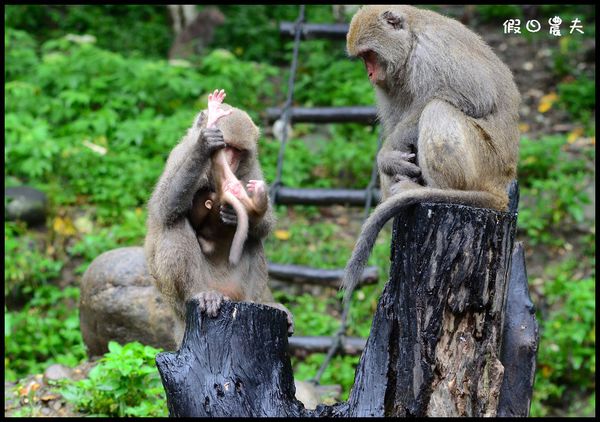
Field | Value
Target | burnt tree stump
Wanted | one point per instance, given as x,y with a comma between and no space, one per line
435,344
439,321
519,343
234,365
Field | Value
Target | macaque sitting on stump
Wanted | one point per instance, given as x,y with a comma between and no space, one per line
449,109
196,247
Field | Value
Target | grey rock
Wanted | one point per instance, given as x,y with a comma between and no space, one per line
56,372
119,302
26,204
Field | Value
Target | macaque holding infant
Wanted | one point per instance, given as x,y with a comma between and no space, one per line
196,247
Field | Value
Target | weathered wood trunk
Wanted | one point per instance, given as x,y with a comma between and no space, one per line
435,342
519,343
439,321
234,365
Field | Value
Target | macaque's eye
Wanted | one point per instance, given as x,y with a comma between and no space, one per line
394,20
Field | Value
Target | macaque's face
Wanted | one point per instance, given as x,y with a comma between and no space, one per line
373,67
380,36
241,136
234,156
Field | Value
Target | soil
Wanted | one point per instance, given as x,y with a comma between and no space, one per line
38,395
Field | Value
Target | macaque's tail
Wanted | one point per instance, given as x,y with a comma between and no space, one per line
392,206
241,231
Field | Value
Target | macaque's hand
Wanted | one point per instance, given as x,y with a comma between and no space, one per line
211,139
399,163
214,107
228,215
401,168
210,302
257,190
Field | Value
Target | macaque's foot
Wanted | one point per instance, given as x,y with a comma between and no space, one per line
403,183
235,187
228,215
290,318
210,302
257,190
256,187
214,110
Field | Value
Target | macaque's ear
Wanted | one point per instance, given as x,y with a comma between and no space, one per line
257,133
392,19
201,118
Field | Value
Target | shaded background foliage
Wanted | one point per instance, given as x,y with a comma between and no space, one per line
91,124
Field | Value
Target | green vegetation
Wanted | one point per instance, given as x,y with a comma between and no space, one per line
252,33
44,332
554,186
97,108
567,356
91,123
564,61
26,265
498,12
124,383
148,32
578,98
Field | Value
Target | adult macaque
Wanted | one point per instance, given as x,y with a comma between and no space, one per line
191,234
449,110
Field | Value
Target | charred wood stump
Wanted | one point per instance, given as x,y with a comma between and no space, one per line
234,365
435,345
519,343
438,325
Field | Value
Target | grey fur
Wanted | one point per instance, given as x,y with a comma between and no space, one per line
176,261
443,95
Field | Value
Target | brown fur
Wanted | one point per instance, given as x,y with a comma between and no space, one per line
178,217
449,110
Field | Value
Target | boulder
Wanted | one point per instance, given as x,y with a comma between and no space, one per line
25,204
119,302
56,372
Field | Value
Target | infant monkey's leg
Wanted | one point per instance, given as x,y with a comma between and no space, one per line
257,190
